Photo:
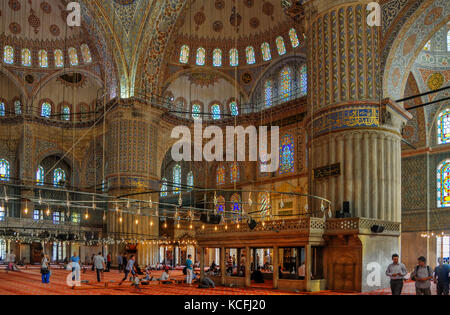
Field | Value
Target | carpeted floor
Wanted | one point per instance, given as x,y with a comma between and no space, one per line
28,282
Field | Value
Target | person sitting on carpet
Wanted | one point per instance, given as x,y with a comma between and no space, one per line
206,283
165,276
257,276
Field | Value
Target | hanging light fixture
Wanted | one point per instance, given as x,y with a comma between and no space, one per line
26,207
6,195
40,198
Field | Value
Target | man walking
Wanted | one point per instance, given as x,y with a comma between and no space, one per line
189,270
422,275
396,271
442,277
129,269
99,263
108,262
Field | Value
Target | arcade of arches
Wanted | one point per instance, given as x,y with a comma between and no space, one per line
87,113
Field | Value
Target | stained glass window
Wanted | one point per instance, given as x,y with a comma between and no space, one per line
2,214
303,78
43,59
220,175
59,177
4,170
236,208
2,109
65,113
234,109
234,57
220,206
443,127
265,49
448,40
73,56
59,58
26,57
265,206
57,217
184,54
85,51
38,215
215,110
196,109
285,83
176,172
268,93
443,184
281,46
190,179
18,107
164,188
201,56
46,110
40,176
76,217
8,55
287,154
427,46
217,58
250,53
294,38
234,173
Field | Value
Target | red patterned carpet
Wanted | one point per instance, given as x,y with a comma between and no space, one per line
28,282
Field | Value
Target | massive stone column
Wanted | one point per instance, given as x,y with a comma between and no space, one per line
132,167
350,126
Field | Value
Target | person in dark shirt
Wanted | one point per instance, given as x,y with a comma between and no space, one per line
442,278
257,276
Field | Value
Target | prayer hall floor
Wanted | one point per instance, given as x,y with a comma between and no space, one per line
28,282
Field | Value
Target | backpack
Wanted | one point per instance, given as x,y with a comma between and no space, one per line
185,271
417,269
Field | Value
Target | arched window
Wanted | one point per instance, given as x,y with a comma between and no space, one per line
294,38
196,109
65,113
281,46
43,59
4,170
234,57
303,79
86,52
190,180
2,109
220,175
250,54
18,107
236,208
215,111
217,58
427,46
73,56
184,54
265,206
59,58
234,173
201,56
234,109
265,49
8,55
287,154
176,173
164,188
443,127
46,110
220,206
443,184
285,83
26,57
59,177
40,176
268,93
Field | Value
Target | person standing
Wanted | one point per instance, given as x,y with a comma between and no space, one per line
442,277
92,262
75,260
129,269
120,262
45,269
108,262
124,261
99,263
422,275
397,272
189,270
